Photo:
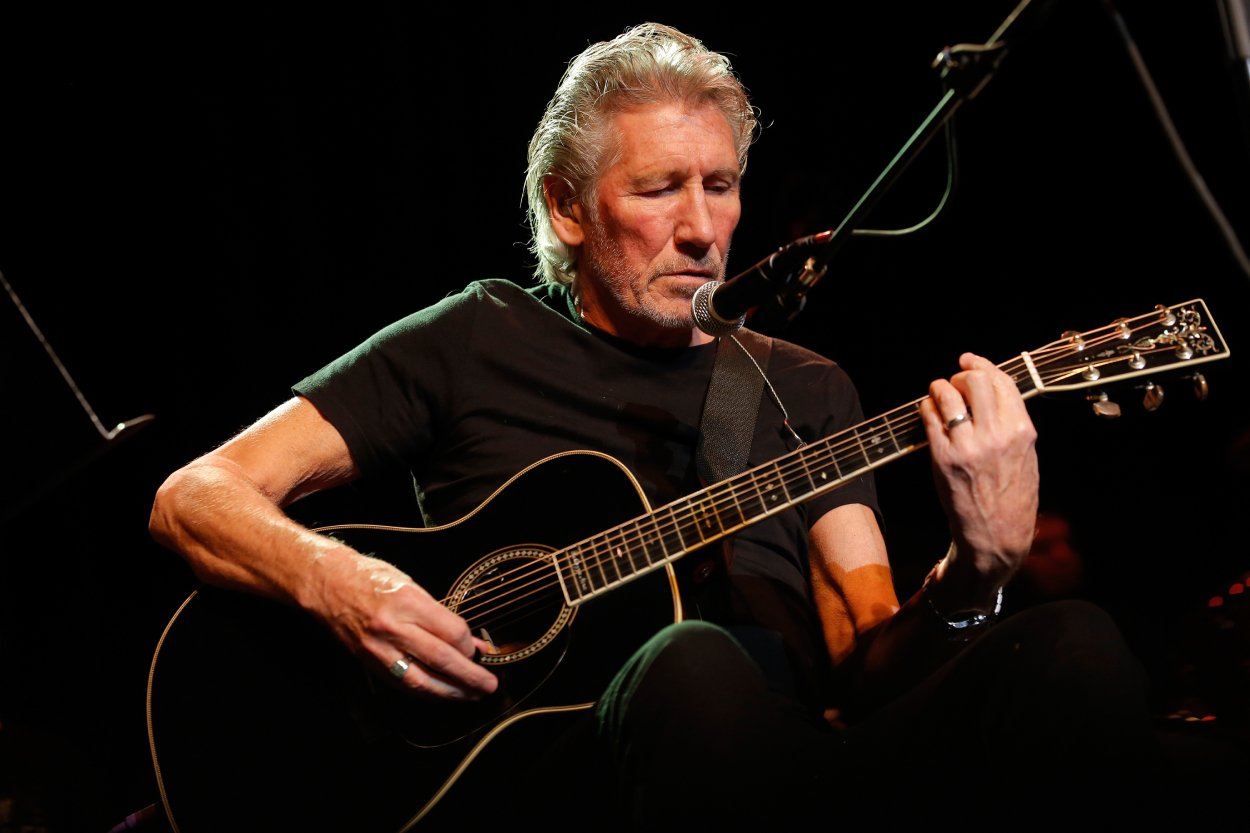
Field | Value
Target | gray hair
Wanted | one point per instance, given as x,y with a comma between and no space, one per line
647,64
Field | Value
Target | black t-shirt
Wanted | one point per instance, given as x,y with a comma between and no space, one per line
470,391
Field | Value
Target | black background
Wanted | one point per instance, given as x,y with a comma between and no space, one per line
198,207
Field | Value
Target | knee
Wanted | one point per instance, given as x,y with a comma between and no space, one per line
1089,633
682,654
684,669
1074,628
1077,652
692,641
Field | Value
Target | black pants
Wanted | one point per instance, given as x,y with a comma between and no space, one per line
1042,721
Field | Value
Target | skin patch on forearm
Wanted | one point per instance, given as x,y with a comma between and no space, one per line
851,602
382,575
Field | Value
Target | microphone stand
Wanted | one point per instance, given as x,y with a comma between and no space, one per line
965,70
111,436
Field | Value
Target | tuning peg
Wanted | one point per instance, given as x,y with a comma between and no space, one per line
1153,397
1201,390
1103,406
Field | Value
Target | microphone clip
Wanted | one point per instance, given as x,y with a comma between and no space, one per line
792,296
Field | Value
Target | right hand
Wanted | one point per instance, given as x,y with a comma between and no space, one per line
382,615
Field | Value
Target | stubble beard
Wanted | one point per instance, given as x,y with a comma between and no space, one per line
631,290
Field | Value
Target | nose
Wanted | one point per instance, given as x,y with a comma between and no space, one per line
694,226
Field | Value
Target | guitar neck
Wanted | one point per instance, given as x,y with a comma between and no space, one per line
597,564
1154,342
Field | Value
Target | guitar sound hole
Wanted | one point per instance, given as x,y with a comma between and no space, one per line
513,601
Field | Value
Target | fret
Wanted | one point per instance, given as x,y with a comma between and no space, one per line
793,482
863,450
893,437
665,532
774,493
732,491
723,505
876,448
594,566
676,542
620,550
758,497
807,471
832,458
649,539
915,428
573,570
702,514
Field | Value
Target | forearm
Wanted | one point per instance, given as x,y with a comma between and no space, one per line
953,607
236,536
225,514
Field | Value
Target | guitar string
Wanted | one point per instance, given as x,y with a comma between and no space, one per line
783,471
673,525
541,570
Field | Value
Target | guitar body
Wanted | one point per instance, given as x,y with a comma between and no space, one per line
260,720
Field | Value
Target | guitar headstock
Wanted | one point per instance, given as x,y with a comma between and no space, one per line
1162,340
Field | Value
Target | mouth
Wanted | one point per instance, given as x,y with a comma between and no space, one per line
685,284
701,275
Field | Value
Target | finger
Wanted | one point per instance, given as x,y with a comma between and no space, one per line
415,676
399,668
1007,388
445,662
991,394
443,623
408,602
948,411
440,673
974,361
411,635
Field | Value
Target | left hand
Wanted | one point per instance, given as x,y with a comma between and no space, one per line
983,447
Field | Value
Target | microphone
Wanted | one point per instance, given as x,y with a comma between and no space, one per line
720,307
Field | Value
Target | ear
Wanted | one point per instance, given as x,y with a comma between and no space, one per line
565,210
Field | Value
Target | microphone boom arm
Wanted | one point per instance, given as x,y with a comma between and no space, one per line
966,68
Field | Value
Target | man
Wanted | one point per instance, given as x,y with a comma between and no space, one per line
634,183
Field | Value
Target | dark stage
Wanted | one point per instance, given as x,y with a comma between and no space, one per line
201,205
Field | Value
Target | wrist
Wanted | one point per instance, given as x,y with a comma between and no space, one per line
962,625
959,581
945,596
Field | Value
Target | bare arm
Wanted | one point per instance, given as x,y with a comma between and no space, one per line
880,647
985,468
223,512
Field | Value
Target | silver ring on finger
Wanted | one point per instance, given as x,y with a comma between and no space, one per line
958,419
400,667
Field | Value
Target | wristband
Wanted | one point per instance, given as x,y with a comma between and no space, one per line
965,625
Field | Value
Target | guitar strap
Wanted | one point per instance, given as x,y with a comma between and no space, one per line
730,409
732,404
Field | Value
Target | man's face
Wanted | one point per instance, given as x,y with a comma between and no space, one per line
661,221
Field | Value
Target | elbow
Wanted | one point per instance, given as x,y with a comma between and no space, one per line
176,514
162,522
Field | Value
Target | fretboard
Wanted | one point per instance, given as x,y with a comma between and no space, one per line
599,563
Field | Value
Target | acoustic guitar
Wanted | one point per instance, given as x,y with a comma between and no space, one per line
258,719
